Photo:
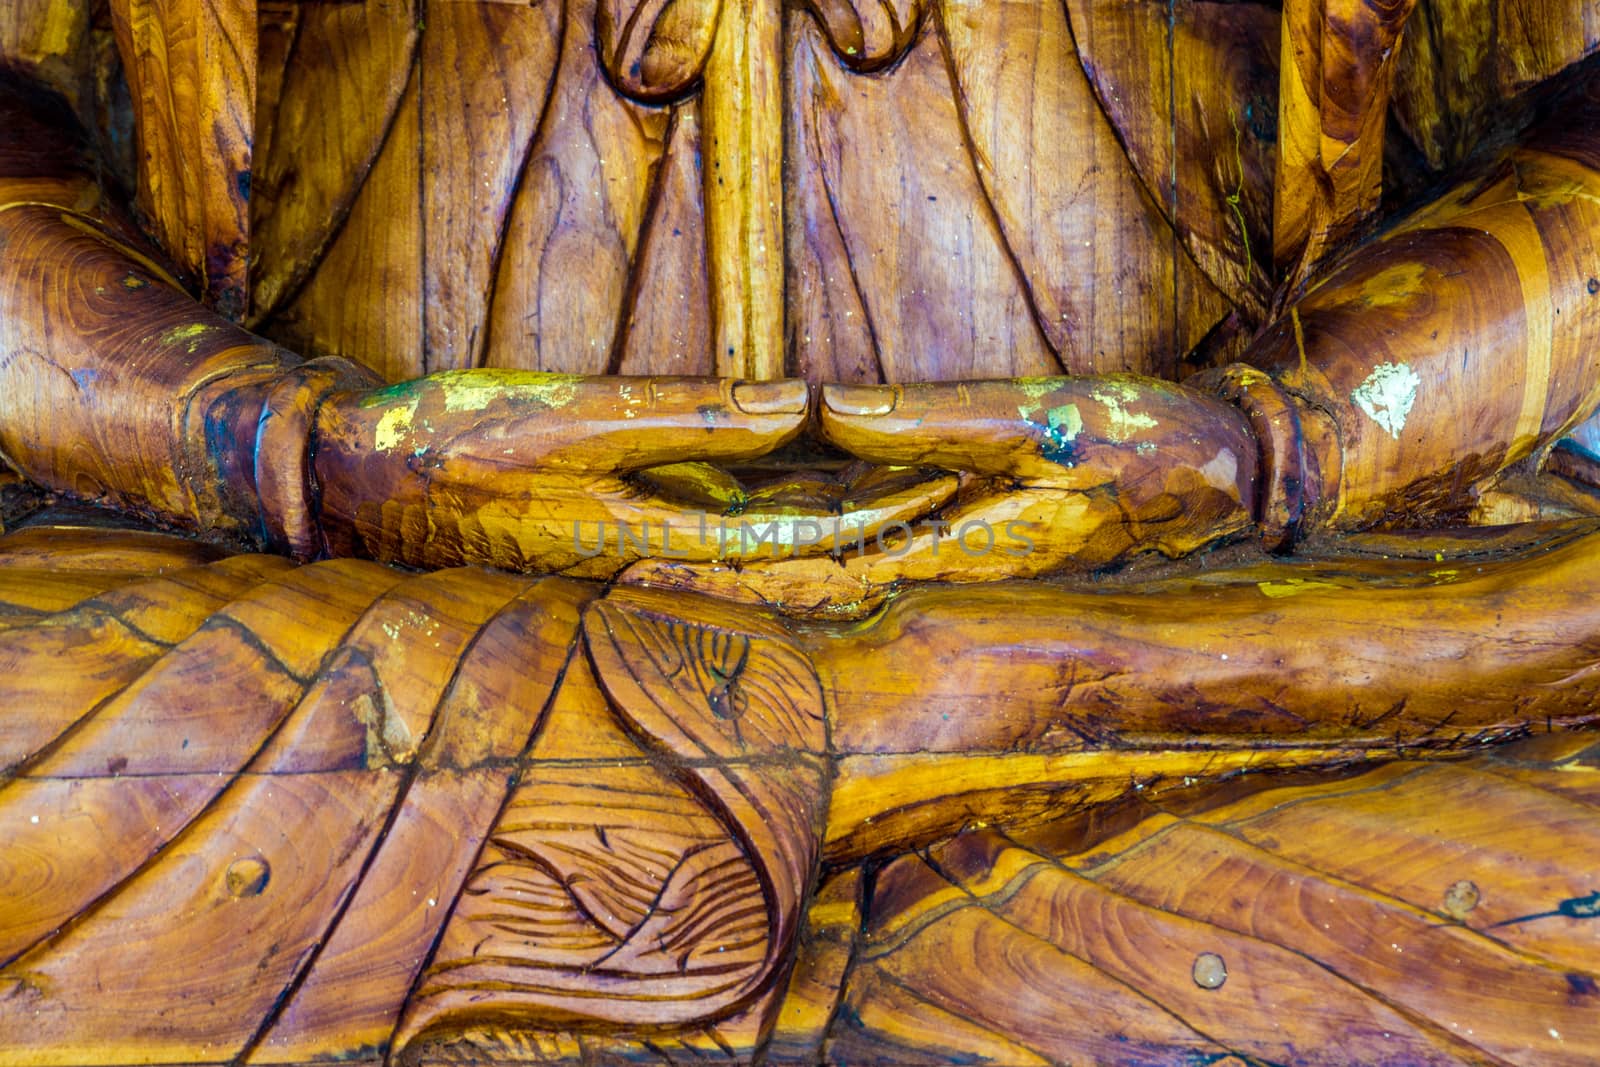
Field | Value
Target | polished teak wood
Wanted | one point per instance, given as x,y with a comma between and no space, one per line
818,532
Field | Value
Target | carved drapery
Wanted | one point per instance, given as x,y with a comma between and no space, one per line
608,232
376,841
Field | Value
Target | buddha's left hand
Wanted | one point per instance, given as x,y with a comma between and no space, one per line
1055,472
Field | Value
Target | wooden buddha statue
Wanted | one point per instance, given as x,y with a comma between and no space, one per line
900,532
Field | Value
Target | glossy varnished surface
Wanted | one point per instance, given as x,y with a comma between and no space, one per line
444,342
475,812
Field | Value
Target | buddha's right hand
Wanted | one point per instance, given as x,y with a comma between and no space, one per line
535,471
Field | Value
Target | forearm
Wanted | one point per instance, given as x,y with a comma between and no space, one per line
991,704
116,386
1455,344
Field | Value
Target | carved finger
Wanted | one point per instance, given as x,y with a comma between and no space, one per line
762,531
1021,533
1064,433
514,421
590,527
796,516
1108,467
524,470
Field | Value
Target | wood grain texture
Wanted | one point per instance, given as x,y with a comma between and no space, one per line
1339,59
1096,314
1190,91
1349,472
1499,269
1380,690
103,644
825,946
375,729
191,68
851,807
741,114
574,233
1384,974
510,469
668,325
48,39
1057,472
216,810
46,157
123,333
1460,61
62,548
677,883
351,995
364,300
655,50
475,139
277,27
337,100
462,844
938,293
869,35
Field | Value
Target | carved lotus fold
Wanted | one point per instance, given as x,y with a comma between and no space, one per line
667,893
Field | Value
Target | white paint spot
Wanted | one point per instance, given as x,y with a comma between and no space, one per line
1222,472
1387,396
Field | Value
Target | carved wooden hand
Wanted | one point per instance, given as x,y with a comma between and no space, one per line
530,471
1055,472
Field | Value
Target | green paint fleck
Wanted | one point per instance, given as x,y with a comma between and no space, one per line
390,393
190,333
1292,587
393,425
1065,421
1063,424
1122,423
474,390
